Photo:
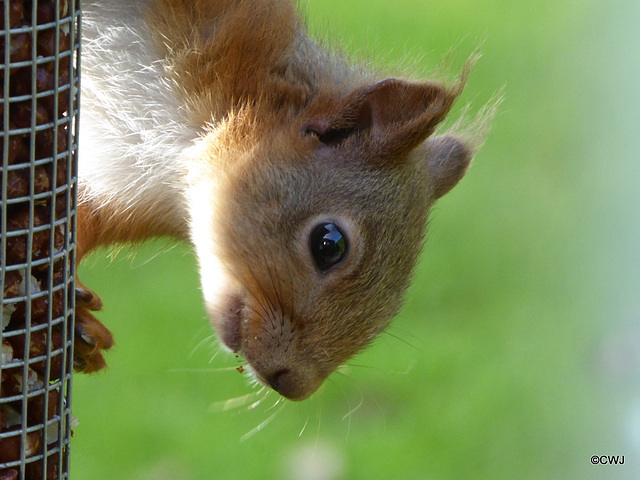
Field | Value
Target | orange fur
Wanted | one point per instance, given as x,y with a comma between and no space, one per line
112,224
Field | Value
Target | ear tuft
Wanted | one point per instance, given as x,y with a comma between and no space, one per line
448,159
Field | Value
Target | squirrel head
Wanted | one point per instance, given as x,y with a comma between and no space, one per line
317,224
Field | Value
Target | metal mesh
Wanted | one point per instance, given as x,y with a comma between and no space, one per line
39,44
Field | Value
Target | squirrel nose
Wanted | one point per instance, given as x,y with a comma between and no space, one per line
282,381
289,384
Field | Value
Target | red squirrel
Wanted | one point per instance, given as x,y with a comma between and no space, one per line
302,182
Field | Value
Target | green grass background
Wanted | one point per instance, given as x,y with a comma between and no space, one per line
516,355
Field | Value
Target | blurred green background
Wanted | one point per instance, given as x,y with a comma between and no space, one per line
517,354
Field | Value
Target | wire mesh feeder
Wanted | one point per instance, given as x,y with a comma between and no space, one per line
39,44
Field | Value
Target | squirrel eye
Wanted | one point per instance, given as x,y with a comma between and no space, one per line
328,245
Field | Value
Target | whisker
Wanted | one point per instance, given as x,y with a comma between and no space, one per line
279,292
352,410
277,310
350,413
286,309
407,371
215,355
304,427
276,403
262,312
264,393
207,339
201,370
291,306
319,417
263,424
404,340
235,403
272,278
267,312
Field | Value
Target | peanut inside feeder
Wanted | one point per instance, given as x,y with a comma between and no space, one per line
39,44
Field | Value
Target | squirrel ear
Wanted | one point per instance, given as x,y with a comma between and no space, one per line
448,159
398,115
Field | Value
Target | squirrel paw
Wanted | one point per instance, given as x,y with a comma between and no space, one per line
91,336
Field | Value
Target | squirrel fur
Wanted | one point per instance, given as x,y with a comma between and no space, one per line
222,123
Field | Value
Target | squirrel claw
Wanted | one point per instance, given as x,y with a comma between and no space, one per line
91,336
86,358
88,299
